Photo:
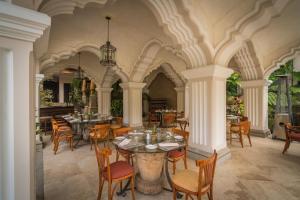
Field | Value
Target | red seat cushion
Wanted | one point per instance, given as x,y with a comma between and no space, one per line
295,136
119,169
176,154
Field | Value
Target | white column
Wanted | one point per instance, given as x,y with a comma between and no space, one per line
61,91
19,29
180,98
207,109
104,100
132,103
38,79
256,105
186,102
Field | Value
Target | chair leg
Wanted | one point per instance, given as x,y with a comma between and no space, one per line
174,193
56,146
230,137
91,141
286,146
185,162
174,167
211,194
109,191
241,140
100,189
186,196
132,187
249,139
71,144
117,155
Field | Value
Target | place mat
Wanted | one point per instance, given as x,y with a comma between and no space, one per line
168,146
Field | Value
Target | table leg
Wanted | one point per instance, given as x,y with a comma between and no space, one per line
123,190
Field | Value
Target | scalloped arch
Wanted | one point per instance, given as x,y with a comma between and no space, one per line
52,59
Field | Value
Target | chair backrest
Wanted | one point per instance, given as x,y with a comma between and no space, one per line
245,127
169,118
206,171
101,130
121,131
102,156
118,120
288,129
184,134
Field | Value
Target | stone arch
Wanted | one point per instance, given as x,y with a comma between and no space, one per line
168,71
246,27
168,16
291,54
51,59
166,13
247,62
145,61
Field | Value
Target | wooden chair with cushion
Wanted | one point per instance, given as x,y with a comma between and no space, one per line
126,154
292,134
176,155
194,183
62,133
242,128
99,132
112,172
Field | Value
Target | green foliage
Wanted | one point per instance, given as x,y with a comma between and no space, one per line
233,84
117,99
117,107
75,96
294,89
46,97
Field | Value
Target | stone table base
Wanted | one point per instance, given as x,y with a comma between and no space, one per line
148,187
149,179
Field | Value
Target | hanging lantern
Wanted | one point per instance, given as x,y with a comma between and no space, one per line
107,50
79,74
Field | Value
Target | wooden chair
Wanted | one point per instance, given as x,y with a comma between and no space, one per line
126,154
176,155
242,128
169,120
112,172
194,183
62,133
182,123
292,134
117,123
56,123
99,132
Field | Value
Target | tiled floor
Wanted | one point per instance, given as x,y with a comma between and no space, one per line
260,172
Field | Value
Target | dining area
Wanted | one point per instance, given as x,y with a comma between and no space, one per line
144,160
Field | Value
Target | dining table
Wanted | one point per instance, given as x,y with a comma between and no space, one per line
81,125
151,156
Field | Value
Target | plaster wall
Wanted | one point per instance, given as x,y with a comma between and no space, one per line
162,87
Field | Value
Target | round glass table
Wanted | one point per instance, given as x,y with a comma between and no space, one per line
150,154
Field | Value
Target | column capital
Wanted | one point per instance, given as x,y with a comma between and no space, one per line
104,89
254,83
39,78
179,89
135,85
207,72
21,23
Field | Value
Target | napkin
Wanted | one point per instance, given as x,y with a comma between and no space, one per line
173,144
124,142
135,133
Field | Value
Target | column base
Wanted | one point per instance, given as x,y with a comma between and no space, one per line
198,154
260,133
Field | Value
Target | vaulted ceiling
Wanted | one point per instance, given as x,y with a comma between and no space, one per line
255,35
